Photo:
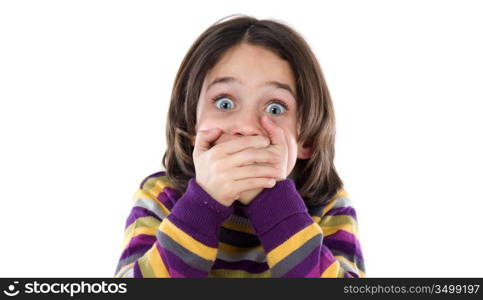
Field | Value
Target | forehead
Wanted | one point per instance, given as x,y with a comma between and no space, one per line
252,65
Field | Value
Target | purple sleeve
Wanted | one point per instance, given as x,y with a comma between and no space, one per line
291,238
184,243
199,215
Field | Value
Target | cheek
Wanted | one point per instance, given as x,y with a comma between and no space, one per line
205,121
291,152
205,125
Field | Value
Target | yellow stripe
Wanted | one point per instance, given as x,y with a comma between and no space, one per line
238,227
328,207
340,194
142,194
332,271
230,249
147,221
293,243
145,266
337,220
157,264
139,230
134,229
187,241
158,187
329,230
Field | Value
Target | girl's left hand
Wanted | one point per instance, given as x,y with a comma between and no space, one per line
278,145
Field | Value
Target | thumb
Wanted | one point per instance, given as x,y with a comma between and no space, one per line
276,134
204,139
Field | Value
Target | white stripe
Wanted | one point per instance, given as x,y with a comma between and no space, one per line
347,267
342,202
127,273
152,206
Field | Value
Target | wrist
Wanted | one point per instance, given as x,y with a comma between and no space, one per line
198,214
273,205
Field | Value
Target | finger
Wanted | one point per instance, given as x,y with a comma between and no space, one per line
244,142
253,155
204,139
276,134
256,170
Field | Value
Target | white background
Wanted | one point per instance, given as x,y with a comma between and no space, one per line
85,87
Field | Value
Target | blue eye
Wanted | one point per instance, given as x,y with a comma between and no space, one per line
224,103
276,108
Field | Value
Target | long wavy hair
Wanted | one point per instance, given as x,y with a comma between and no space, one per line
316,178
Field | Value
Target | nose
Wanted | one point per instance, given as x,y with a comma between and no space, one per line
247,123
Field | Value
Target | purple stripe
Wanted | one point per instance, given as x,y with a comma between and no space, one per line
173,262
326,259
349,248
208,241
273,205
199,215
314,273
245,265
284,230
176,274
346,237
165,197
139,212
342,211
172,193
342,235
162,173
139,243
352,274
305,267
137,271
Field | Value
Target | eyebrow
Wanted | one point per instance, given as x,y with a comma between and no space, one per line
229,79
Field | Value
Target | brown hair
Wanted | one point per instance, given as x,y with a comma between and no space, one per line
316,178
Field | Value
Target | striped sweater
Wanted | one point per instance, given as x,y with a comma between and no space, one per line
276,235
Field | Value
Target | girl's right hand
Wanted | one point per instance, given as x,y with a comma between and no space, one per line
225,170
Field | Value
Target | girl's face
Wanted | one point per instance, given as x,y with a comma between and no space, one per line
247,83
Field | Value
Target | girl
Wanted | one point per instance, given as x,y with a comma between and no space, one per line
250,188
